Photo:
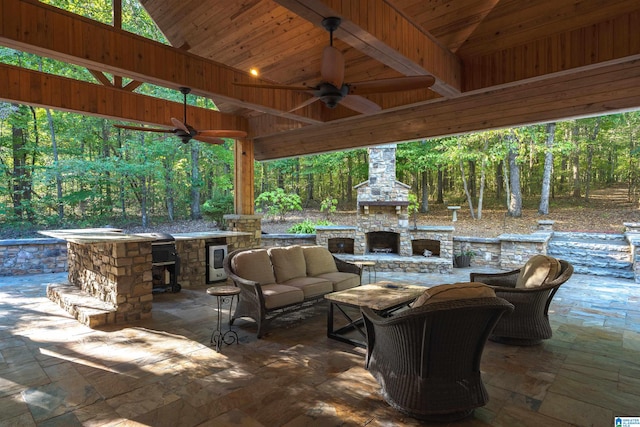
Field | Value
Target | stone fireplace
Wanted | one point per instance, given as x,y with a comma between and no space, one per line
383,204
382,232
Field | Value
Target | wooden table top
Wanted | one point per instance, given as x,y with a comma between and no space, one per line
377,296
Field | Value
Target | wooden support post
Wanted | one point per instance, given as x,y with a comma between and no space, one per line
244,177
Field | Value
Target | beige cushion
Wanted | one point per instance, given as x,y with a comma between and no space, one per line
341,280
276,295
288,263
538,270
463,290
319,260
310,286
254,265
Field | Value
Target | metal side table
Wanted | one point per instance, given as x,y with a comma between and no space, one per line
223,295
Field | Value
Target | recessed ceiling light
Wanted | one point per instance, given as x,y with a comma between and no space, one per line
254,72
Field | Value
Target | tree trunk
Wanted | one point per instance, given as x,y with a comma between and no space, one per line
54,149
483,167
543,209
466,190
472,179
590,149
195,182
440,187
424,205
515,204
507,187
499,179
575,163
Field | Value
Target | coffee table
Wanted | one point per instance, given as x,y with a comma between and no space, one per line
383,297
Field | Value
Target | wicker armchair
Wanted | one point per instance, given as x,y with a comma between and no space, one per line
427,359
529,322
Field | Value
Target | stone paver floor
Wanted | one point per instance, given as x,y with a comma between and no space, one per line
163,372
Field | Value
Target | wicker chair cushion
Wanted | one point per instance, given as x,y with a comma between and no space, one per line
537,271
462,290
254,265
288,263
318,260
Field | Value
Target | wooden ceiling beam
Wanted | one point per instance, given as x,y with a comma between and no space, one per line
611,88
46,90
52,32
377,29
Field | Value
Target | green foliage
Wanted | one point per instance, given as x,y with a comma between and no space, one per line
217,207
307,226
278,203
413,204
330,205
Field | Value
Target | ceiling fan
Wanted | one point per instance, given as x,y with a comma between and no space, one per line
186,132
332,90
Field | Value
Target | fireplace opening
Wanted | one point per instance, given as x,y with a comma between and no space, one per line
418,246
383,242
340,245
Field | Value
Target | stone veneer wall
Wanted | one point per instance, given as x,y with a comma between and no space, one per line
516,249
271,240
32,256
245,223
486,251
632,234
116,273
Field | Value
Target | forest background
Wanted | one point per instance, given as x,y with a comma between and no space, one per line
64,170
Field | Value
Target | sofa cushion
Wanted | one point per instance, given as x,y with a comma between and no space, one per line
277,295
538,270
318,260
311,286
254,265
288,263
462,290
341,280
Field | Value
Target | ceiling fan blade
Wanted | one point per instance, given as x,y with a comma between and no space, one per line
178,124
144,129
269,86
332,68
391,85
222,133
360,104
304,104
209,140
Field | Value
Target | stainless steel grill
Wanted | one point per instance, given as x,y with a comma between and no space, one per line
165,260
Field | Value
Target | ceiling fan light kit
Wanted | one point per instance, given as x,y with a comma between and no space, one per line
186,132
332,90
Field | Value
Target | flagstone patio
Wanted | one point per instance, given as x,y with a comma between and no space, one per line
163,371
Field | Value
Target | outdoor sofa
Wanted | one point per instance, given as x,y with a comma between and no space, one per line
277,280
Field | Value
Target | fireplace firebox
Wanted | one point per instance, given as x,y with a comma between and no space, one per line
386,242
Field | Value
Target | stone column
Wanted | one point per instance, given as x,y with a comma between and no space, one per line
247,224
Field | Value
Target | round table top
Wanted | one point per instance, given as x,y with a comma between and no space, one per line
221,291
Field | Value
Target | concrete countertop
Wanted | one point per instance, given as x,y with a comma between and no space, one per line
85,236
104,235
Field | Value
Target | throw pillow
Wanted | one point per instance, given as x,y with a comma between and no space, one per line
538,270
462,290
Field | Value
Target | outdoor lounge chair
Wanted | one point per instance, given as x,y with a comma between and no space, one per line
530,289
427,359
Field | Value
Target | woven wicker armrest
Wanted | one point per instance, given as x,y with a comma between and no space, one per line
347,267
507,279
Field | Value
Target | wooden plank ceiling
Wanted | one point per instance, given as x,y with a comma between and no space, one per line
496,63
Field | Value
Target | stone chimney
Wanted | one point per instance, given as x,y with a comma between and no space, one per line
382,185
